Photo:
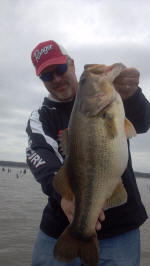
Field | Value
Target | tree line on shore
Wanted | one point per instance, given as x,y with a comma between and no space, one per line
13,164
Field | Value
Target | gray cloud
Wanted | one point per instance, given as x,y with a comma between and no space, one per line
100,32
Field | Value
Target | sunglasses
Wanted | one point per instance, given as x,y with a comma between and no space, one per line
59,71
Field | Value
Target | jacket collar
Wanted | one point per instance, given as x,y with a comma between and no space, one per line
49,102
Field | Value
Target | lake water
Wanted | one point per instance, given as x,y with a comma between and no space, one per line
21,205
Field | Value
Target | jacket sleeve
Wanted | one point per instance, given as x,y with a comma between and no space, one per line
137,110
42,154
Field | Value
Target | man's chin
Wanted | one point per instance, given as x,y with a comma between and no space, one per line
64,96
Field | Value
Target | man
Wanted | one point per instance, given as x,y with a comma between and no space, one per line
118,228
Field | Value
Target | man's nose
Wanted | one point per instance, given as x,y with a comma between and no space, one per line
56,78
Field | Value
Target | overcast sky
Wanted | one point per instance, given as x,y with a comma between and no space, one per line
97,31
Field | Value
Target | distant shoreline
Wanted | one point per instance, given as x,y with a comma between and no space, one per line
24,165
139,174
13,164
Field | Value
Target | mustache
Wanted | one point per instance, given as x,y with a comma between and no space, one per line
59,84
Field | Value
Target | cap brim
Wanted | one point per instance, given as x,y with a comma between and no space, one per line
55,61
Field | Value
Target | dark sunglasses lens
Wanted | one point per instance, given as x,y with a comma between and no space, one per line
48,76
61,69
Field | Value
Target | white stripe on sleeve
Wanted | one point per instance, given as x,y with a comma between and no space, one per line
36,127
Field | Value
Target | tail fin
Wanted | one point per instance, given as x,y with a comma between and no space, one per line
69,247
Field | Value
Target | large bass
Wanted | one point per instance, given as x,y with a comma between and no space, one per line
95,146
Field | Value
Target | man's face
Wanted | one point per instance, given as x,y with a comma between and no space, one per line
62,88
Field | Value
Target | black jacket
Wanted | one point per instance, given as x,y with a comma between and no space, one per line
44,159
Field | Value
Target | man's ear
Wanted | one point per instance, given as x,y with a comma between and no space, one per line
72,62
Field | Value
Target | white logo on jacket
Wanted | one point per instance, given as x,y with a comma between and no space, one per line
34,158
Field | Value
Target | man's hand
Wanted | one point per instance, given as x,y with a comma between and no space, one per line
127,82
101,218
68,207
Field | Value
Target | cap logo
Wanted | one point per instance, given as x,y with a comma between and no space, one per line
44,50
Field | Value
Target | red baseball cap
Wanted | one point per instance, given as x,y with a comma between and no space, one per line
46,54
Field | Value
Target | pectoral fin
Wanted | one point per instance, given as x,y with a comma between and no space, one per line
61,183
129,129
118,197
63,140
110,125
